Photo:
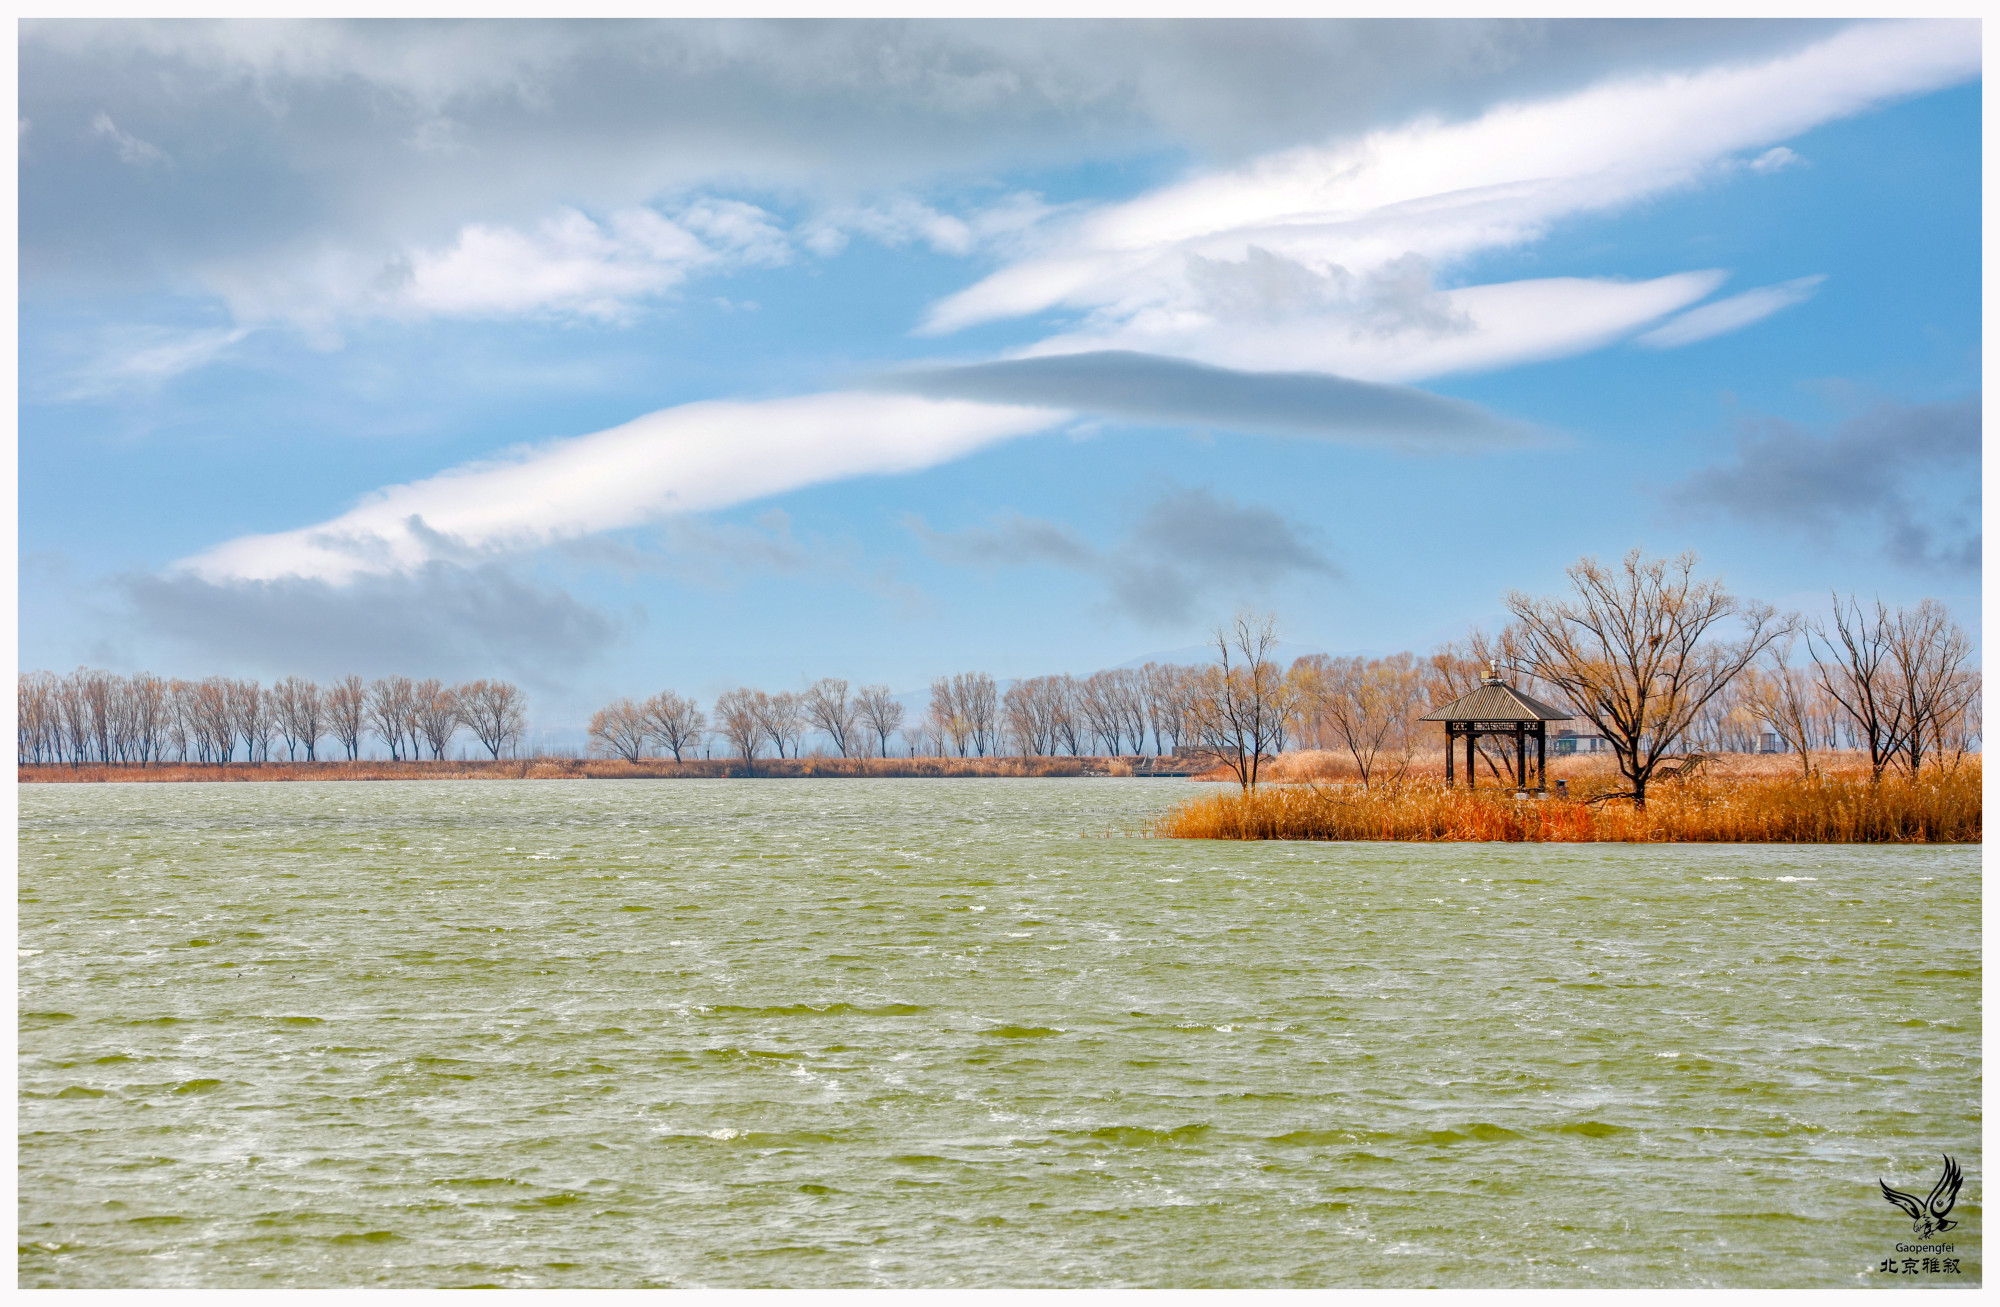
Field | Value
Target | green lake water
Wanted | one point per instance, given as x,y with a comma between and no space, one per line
972,1032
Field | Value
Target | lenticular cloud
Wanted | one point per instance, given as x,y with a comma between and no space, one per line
688,459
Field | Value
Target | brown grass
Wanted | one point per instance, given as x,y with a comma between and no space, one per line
575,769
1751,804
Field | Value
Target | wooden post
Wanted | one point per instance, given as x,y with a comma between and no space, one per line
1450,742
1471,775
1541,755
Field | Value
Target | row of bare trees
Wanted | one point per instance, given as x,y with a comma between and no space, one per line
1654,661
93,716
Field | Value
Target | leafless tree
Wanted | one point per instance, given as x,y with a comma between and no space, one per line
1927,652
1239,701
978,705
946,718
882,715
828,708
391,703
295,706
435,715
1030,711
347,713
250,713
1780,695
1372,706
737,717
496,712
1635,651
1855,668
621,730
677,724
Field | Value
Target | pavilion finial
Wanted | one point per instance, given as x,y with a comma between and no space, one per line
1493,671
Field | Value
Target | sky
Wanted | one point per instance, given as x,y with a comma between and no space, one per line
613,357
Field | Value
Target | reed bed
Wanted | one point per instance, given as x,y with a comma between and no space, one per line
572,769
1941,806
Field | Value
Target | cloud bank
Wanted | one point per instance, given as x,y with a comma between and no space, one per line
1152,388
1908,472
1188,547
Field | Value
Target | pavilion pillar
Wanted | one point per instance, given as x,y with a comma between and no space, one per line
1471,776
1541,756
1450,743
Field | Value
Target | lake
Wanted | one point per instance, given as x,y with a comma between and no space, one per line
961,1032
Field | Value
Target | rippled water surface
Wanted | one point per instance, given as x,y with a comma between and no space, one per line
923,1032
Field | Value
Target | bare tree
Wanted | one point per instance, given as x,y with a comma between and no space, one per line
1239,701
1635,652
945,720
882,715
1030,710
347,713
979,708
1781,695
738,718
1372,706
1855,668
677,724
1928,651
620,729
435,715
391,700
295,707
496,712
250,710
827,707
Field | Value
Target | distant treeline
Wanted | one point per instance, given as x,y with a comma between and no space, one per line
1892,683
93,716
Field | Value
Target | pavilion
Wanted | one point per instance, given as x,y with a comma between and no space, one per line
1498,709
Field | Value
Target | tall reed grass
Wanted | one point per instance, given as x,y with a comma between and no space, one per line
1941,806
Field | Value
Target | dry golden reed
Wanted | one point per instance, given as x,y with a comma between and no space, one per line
1942,806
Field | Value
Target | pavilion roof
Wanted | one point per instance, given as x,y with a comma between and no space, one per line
1496,702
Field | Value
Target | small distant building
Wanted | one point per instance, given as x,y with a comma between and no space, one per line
1567,741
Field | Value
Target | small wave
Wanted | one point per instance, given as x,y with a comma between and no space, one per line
820,1010
1793,880
372,1236
197,1086
1135,1136
1022,1032
1589,1129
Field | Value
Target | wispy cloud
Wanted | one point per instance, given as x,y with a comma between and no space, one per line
1298,243
1188,547
1731,314
132,150
693,458
1153,388
1907,471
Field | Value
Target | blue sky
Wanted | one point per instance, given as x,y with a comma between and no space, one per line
617,357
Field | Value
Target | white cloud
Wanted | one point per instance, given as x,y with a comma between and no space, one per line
1775,159
131,149
904,220
1732,314
1335,241
569,265
693,458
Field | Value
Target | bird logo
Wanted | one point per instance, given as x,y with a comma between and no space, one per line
1927,1214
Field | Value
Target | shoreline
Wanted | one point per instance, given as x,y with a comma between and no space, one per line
605,769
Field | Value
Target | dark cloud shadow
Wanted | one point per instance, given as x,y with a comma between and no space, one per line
1908,474
444,620
1155,388
1186,548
